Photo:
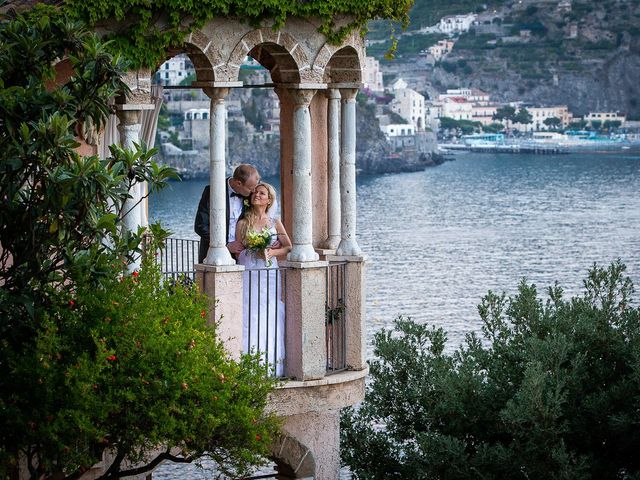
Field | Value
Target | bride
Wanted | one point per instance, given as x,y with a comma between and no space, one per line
263,308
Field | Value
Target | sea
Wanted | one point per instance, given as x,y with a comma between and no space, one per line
438,240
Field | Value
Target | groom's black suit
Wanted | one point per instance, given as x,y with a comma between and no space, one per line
201,224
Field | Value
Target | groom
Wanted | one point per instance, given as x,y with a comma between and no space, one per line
238,187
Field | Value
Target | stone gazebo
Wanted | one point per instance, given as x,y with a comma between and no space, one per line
316,83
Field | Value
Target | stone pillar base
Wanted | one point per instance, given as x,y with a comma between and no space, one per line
306,356
355,294
223,286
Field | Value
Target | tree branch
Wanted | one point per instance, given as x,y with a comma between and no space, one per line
145,468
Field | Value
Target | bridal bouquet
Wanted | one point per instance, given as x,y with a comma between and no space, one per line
257,242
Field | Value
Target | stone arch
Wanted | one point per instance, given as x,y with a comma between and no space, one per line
278,51
198,48
341,64
292,458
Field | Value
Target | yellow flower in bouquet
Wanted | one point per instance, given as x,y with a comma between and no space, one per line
257,242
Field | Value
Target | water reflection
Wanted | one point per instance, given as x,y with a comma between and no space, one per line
438,240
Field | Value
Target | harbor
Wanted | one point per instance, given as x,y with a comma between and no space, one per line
540,143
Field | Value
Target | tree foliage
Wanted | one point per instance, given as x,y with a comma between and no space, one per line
506,112
466,127
97,363
493,128
553,122
523,117
550,390
154,27
611,124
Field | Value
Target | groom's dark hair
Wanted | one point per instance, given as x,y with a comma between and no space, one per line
244,172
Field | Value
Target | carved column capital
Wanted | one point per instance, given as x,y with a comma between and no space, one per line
216,94
300,97
128,117
332,93
348,94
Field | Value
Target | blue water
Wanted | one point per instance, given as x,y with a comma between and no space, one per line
437,240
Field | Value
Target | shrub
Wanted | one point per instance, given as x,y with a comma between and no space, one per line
550,390
95,360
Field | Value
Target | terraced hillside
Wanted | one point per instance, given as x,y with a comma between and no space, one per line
585,53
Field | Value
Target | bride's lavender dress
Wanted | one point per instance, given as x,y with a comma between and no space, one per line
263,309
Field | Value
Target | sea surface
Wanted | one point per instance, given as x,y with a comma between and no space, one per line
439,239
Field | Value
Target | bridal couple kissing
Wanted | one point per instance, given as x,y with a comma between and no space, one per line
256,238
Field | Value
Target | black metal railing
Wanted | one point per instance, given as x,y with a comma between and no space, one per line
178,258
264,313
264,305
335,318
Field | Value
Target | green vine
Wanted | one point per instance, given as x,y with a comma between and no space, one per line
146,29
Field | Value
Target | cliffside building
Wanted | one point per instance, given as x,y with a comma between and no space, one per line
457,108
373,75
540,114
483,113
603,117
409,104
196,128
472,95
452,24
441,49
398,129
175,70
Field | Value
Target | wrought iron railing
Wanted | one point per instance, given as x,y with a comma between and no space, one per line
178,258
264,298
263,316
335,318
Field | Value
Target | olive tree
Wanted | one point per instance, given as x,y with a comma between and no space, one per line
551,389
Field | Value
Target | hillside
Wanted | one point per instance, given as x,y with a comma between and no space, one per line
582,53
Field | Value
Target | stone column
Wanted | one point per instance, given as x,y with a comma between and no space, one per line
129,129
348,244
218,276
333,169
301,238
217,253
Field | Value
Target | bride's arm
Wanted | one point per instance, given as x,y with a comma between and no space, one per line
241,230
285,242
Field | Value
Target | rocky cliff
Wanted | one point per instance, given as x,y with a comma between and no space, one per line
373,152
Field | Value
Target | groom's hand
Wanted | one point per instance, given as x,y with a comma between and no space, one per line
235,247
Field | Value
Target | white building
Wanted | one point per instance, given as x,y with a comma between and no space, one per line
456,23
398,129
372,75
540,114
604,116
483,113
175,70
470,94
196,128
457,108
399,84
409,104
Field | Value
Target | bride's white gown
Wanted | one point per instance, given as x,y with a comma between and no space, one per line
263,309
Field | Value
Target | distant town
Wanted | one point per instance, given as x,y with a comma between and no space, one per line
412,123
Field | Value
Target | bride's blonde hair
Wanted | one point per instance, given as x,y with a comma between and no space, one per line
250,216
